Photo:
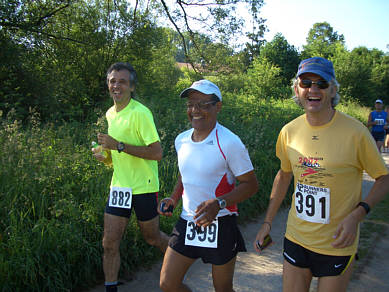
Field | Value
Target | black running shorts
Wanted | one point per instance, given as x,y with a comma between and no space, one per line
230,242
320,265
145,206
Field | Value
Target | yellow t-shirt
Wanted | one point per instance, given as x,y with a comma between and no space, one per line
133,125
327,163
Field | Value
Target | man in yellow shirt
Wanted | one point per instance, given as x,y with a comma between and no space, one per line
325,151
134,150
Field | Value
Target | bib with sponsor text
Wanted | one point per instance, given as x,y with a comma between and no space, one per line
312,203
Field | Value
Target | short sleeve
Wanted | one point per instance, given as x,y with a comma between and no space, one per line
281,151
146,127
237,157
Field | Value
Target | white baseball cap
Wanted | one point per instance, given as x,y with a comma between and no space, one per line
379,101
203,86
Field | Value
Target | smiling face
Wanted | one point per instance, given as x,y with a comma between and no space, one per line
119,87
315,101
202,118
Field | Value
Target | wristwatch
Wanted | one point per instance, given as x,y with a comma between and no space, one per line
222,203
120,147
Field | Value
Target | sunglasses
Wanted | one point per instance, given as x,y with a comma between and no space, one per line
200,105
306,83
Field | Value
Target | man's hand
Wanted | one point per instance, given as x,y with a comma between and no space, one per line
107,141
206,212
166,207
263,231
346,232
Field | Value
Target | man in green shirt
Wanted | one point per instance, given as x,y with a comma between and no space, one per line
134,149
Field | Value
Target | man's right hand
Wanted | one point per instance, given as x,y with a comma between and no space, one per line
166,207
263,231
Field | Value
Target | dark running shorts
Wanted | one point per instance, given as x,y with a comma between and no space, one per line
230,242
320,265
145,206
378,136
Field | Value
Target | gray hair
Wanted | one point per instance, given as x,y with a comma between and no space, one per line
125,66
335,99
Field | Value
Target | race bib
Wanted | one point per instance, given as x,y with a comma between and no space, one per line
312,203
120,197
201,236
380,122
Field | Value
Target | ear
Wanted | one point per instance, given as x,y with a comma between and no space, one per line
218,106
333,89
296,91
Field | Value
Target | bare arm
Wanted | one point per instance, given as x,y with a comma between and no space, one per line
280,187
370,122
248,186
150,152
174,198
346,231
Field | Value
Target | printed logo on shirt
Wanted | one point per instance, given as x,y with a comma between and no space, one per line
315,137
210,142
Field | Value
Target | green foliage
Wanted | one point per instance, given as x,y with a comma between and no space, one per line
322,41
361,74
283,55
263,80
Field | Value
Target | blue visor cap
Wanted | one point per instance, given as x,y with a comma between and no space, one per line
319,66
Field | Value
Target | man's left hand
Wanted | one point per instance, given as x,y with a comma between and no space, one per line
346,232
107,141
206,212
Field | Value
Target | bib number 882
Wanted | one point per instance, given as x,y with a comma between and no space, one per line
120,197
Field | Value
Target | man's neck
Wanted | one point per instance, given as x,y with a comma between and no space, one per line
321,118
121,106
200,135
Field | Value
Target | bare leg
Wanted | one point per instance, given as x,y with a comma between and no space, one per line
336,283
296,279
114,227
152,234
173,270
223,275
379,145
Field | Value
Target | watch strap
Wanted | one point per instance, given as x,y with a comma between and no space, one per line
364,206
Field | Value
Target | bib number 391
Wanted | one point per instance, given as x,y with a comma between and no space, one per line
120,197
201,236
312,203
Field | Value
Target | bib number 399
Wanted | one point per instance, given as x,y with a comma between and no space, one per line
312,203
201,236
120,197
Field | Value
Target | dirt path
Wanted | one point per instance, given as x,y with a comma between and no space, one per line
264,273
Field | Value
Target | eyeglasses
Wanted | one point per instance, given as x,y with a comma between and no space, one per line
306,83
200,105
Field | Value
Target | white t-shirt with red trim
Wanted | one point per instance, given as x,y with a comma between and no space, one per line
209,168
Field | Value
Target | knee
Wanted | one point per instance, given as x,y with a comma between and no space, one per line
153,239
165,285
110,246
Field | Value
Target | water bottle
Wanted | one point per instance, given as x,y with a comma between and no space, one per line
99,149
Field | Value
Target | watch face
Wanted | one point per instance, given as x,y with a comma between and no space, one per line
120,146
222,204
